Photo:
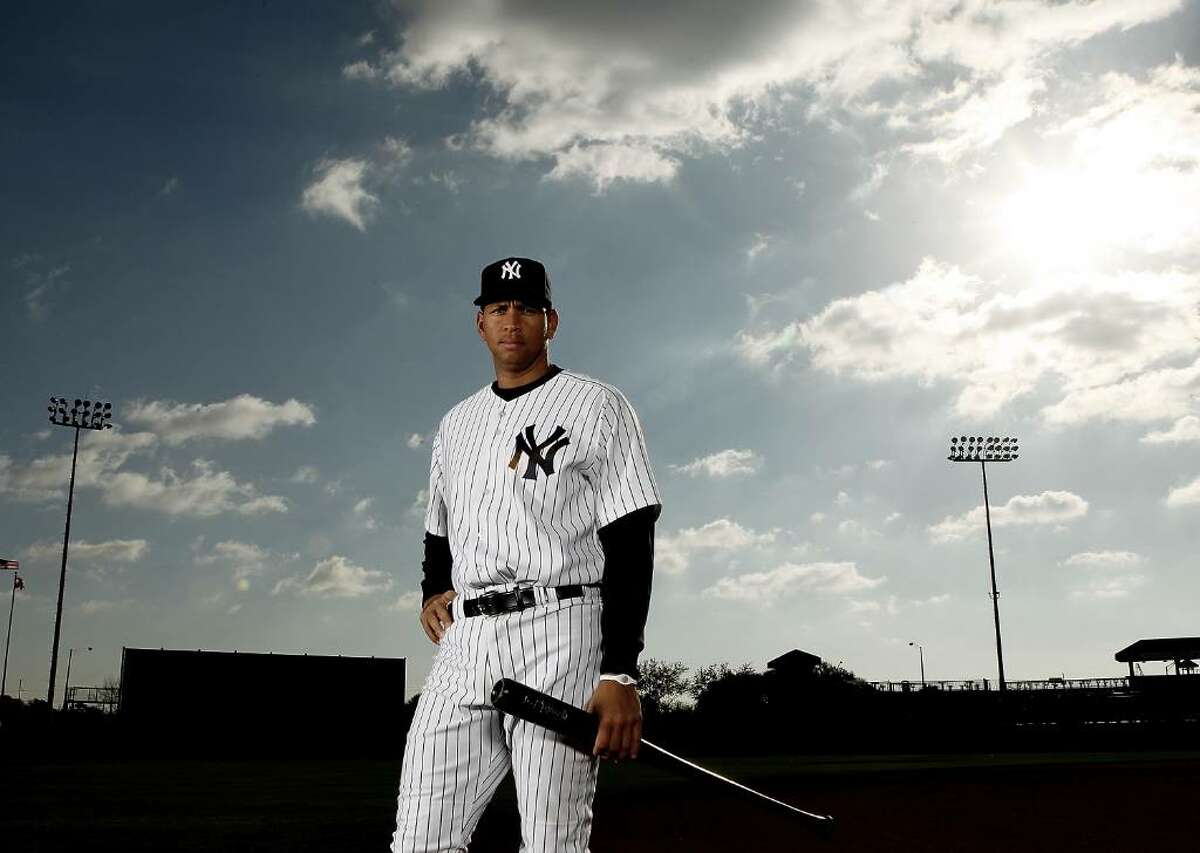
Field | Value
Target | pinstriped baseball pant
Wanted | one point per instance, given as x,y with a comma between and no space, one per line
459,747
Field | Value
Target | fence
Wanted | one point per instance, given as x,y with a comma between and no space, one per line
983,684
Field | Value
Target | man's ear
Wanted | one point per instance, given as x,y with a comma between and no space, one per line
551,324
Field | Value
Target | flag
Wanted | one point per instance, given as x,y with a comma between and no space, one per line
18,583
9,564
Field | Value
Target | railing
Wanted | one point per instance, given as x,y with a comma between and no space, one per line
916,686
1071,684
105,698
986,685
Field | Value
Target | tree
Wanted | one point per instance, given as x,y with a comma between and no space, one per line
662,684
707,676
721,689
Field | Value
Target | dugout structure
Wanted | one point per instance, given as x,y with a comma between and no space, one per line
241,703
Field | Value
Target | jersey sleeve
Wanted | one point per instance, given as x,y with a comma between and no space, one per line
621,473
435,512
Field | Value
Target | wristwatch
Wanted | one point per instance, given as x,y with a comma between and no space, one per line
621,678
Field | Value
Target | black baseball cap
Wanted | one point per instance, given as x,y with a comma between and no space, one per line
514,278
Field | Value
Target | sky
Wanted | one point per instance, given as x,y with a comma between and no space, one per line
810,241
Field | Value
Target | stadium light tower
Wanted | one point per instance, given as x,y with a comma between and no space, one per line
984,450
84,415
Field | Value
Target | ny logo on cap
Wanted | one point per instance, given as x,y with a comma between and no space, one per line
512,269
527,444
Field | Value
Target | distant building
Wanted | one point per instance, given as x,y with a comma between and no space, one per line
311,703
1179,650
794,663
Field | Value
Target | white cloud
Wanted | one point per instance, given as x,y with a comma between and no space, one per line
236,419
723,463
604,163
871,184
817,517
420,504
45,478
893,605
855,529
44,287
112,551
1188,495
1115,586
855,606
360,70
207,493
305,474
416,440
362,510
335,577
760,244
790,579
1108,574
448,179
396,150
612,91
409,602
1136,162
1104,559
673,553
1102,338
893,516
1186,428
338,192
243,559
1049,507
93,606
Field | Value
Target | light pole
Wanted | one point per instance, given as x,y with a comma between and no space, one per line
84,415
67,680
17,584
921,652
983,450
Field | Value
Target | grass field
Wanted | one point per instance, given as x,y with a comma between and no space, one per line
1061,803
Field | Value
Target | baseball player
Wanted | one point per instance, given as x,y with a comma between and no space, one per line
539,541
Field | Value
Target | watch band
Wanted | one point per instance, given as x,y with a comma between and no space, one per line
620,678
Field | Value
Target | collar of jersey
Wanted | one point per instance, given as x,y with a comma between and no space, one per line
513,393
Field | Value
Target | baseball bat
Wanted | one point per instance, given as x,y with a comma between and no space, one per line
579,728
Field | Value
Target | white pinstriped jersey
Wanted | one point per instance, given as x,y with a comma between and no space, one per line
521,486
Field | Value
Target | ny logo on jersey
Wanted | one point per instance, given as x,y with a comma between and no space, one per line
512,269
540,455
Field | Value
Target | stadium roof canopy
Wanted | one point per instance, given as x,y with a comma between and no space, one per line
1170,648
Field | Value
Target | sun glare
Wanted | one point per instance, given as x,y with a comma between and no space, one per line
1085,219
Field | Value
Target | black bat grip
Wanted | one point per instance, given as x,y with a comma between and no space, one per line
574,724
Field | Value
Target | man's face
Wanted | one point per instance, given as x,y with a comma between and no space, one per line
514,332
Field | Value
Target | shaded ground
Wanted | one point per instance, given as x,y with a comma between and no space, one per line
1061,803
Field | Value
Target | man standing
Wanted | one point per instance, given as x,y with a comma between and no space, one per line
539,541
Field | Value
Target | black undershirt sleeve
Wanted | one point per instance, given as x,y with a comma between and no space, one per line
628,545
436,566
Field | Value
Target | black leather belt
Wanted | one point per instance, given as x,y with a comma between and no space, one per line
495,603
